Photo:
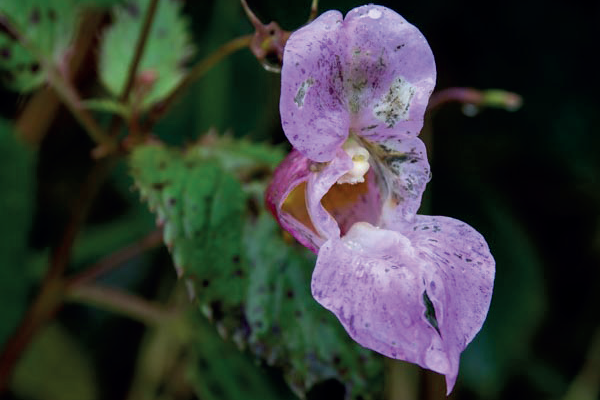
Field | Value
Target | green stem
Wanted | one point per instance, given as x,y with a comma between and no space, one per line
198,71
147,312
314,9
401,380
114,260
139,50
71,99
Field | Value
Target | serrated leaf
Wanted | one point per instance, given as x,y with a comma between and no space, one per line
201,209
40,33
246,160
167,48
16,179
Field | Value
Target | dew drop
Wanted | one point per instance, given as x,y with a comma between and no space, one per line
374,13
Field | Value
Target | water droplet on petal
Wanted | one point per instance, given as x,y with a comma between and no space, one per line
374,13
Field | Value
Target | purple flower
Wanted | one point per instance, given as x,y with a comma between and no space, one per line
354,92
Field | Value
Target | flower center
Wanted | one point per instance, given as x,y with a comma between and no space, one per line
360,162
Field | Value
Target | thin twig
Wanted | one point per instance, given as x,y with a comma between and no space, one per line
147,312
469,96
196,72
250,14
314,9
114,260
60,256
70,98
400,380
139,50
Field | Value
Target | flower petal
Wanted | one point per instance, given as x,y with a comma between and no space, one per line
319,183
313,114
405,170
409,297
389,74
371,74
285,197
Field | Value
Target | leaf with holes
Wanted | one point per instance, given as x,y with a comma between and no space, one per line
167,48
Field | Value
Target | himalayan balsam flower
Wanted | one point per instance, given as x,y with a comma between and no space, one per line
354,92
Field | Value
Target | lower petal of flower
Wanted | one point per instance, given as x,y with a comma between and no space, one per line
407,295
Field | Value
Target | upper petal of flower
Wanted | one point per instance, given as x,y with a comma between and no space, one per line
419,296
370,74
312,106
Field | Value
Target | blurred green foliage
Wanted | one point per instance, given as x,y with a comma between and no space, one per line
17,182
39,35
168,47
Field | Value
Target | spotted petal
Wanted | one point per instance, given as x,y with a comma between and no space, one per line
419,296
370,74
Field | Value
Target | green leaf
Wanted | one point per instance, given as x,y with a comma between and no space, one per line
167,48
201,209
248,161
55,366
107,105
39,35
247,279
16,180
289,328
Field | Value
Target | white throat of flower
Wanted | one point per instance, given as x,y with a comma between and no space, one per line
360,162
